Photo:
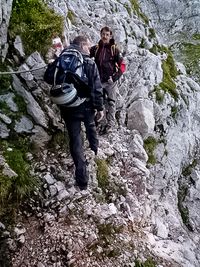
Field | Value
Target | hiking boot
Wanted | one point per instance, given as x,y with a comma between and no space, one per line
82,186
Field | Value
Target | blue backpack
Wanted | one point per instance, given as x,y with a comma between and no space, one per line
68,79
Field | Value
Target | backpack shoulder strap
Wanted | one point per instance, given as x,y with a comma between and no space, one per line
96,50
113,50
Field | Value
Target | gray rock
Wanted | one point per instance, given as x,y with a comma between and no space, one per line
19,46
4,131
33,107
5,118
24,125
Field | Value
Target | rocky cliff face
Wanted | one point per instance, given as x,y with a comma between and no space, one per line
177,24
143,197
173,20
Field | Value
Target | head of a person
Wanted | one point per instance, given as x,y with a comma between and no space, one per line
83,42
106,34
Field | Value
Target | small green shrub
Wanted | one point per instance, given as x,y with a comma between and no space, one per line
169,73
147,263
149,145
102,174
36,23
136,7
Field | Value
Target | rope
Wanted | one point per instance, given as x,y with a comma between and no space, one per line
22,71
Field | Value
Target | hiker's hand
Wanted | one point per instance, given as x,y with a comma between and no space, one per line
110,80
99,115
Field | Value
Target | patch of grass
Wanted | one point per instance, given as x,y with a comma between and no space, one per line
196,36
102,174
154,49
136,7
128,8
189,55
107,235
4,107
149,145
152,33
59,138
19,100
71,16
147,263
13,190
36,23
170,73
182,193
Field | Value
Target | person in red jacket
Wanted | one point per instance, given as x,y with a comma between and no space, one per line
111,66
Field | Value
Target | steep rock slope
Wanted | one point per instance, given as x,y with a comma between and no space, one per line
173,19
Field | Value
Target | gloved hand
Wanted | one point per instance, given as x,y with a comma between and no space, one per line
110,80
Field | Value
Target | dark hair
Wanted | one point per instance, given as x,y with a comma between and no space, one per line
79,40
106,29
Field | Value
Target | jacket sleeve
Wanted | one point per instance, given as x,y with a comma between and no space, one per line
94,83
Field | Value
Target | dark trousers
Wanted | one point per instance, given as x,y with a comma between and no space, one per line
73,118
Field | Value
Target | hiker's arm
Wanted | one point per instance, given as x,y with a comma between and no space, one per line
120,64
96,88
92,51
97,92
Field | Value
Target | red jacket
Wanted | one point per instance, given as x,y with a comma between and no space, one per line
109,60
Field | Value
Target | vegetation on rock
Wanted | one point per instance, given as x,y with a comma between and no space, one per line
36,23
14,189
149,145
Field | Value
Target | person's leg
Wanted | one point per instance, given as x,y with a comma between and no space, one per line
91,129
73,126
111,102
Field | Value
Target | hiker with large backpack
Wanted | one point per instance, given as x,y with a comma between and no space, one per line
77,90
111,66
